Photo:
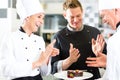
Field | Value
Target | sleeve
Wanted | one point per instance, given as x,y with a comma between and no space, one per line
9,66
59,66
45,69
112,68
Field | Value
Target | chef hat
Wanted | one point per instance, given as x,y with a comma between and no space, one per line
108,4
27,8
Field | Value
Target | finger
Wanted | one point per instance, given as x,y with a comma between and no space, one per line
56,51
78,55
90,62
92,65
103,43
71,46
53,42
101,38
93,41
76,52
98,37
100,54
91,59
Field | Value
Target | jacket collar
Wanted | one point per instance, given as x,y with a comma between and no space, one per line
69,28
22,30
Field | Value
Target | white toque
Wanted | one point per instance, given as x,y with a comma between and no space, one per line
27,8
108,4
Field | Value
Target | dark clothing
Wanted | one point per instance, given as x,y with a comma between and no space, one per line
80,40
38,77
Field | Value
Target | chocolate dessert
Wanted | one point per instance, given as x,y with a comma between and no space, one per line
74,73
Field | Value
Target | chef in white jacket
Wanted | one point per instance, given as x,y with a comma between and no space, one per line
110,14
24,56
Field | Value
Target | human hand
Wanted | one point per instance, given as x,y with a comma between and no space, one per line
98,44
43,59
99,61
74,53
50,49
45,55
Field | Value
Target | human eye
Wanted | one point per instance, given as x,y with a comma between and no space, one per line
78,16
72,17
39,16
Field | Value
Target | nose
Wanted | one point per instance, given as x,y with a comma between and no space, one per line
75,19
104,19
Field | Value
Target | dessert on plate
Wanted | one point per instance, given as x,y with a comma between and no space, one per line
74,73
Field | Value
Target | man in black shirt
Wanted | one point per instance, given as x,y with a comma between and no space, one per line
74,41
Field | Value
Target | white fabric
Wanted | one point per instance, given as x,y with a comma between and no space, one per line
108,4
15,52
59,65
27,8
113,57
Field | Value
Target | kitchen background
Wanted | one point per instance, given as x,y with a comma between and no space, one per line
54,21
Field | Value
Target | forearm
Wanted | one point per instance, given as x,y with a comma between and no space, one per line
37,64
44,68
66,63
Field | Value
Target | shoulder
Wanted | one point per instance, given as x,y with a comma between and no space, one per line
91,28
61,32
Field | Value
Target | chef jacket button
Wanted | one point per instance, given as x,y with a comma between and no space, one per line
27,59
66,34
35,41
88,31
22,38
89,42
39,48
37,69
25,47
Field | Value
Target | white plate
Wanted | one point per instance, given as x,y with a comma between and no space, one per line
63,75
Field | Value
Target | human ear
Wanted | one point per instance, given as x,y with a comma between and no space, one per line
27,18
64,15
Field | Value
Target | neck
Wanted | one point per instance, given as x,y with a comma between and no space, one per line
27,31
72,29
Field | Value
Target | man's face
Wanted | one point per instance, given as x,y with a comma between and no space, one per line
74,17
108,17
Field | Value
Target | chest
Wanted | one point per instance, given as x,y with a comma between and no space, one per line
27,47
77,39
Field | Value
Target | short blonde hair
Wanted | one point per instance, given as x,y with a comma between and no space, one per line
72,4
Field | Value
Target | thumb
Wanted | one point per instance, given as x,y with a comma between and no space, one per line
93,41
99,54
53,42
71,45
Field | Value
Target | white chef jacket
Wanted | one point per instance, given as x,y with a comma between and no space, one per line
18,53
113,57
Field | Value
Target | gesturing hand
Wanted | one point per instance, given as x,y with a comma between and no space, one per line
50,50
45,55
74,53
98,44
99,61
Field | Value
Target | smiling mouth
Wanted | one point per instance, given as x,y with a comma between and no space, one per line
37,25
